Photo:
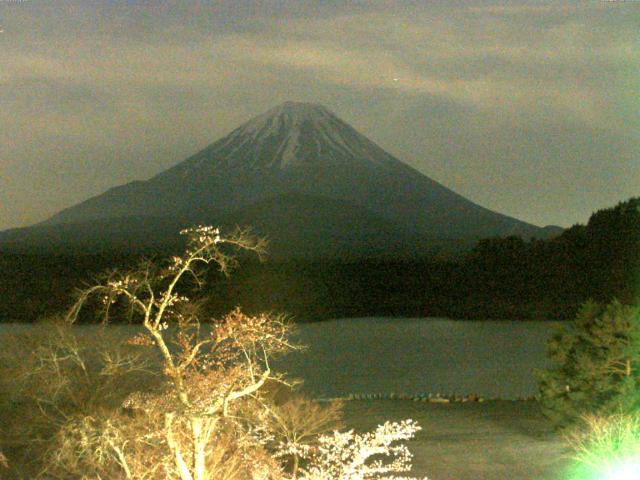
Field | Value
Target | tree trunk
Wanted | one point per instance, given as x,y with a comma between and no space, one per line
296,465
199,445
183,469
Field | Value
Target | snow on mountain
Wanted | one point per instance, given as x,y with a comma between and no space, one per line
292,134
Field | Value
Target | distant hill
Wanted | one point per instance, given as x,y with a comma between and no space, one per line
301,176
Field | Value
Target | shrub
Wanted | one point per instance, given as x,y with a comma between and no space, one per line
51,373
596,364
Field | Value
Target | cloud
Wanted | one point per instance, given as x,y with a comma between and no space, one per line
107,92
562,64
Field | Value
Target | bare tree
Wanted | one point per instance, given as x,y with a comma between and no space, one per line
213,367
352,456
297,422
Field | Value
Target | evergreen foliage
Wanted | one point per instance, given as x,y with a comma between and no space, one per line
596,364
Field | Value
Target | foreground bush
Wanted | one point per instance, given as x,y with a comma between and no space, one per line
596,366
50,375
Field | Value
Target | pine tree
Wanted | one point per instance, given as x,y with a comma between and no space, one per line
596,364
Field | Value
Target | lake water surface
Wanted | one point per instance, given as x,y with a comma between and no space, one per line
420,355
412,356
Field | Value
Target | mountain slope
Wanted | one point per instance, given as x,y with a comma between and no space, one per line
339,229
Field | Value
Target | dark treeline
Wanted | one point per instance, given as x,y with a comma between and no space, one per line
34,285
504,278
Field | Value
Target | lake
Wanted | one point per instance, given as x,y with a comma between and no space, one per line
412,356
494,359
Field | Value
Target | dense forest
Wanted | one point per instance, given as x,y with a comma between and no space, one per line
501,278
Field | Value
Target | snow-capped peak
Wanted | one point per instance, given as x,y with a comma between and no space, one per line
288,116
300,133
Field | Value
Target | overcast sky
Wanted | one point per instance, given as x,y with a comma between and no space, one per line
528,108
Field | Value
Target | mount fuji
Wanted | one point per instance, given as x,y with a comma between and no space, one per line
299,175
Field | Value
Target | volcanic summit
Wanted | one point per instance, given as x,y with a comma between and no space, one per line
298,173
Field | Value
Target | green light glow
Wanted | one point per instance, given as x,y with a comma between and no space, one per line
627,470
607,448
618,469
